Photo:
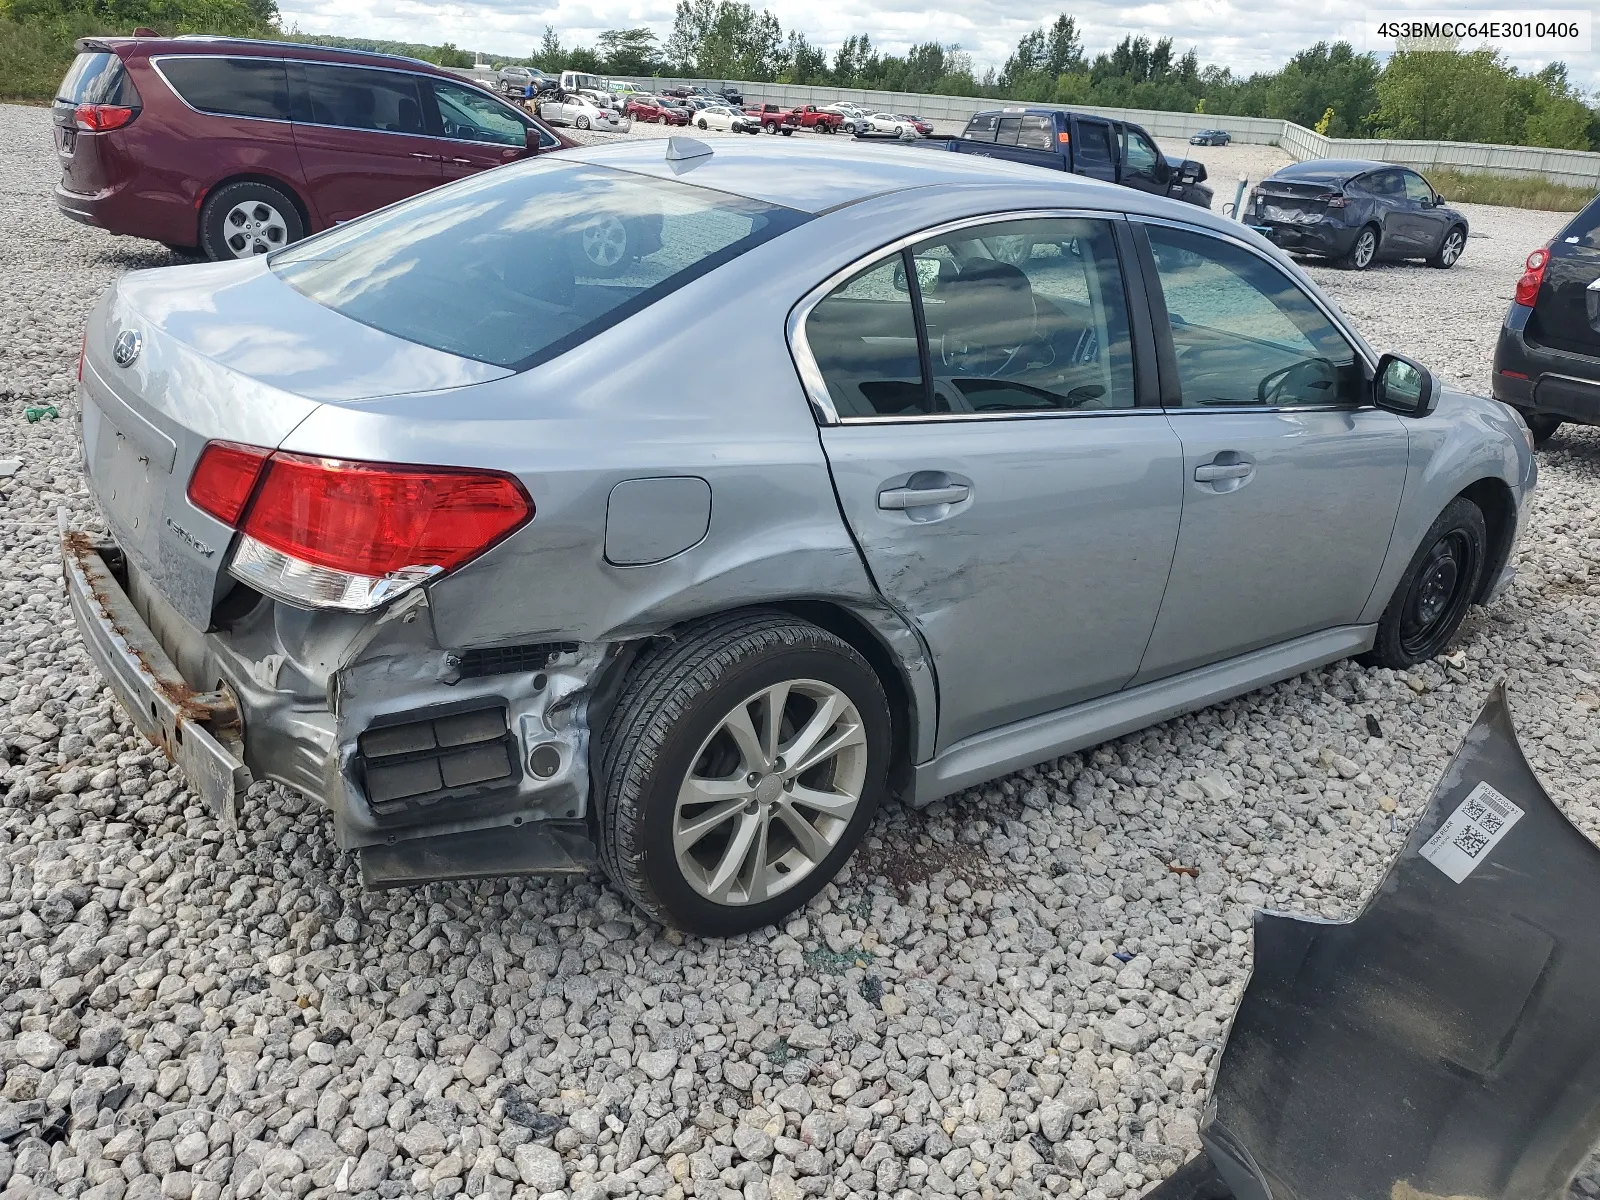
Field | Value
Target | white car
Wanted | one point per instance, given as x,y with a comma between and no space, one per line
887,125
727,119
583,112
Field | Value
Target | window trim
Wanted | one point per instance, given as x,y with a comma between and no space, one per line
816,388
287,62
1163,329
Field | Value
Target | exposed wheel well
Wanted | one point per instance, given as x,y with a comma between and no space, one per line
272,181
838,621
1493,499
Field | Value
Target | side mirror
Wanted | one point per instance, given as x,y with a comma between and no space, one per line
530,139
1438,201
927,275
1404,386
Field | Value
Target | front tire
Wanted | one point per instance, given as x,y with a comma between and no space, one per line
1363,251
702,123
1449,251
243,220
1433,595
738,771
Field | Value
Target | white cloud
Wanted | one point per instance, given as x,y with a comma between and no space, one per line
1245,35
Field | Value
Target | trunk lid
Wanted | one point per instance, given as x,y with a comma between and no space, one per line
1566,313
89,159
224,352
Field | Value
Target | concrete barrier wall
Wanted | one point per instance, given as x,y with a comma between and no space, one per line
1576,168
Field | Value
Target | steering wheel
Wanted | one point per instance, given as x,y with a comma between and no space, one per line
1304,375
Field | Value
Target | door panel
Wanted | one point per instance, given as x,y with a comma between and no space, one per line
479,132
361,138
1039,588
1286,543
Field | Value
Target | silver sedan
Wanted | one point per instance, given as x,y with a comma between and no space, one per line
469,519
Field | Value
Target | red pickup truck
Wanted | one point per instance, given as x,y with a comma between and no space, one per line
809,116
773,119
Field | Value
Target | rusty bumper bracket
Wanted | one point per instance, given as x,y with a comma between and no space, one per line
199,731
1444,1043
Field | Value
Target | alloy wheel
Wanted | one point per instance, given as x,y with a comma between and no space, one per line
770,792
253,228
1366,247
1451,250
605,241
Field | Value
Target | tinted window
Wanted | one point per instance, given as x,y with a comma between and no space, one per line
1038,133
1094,145
238,87
517,265
1386,184
864,338
1416,187
470,114
97,78
356,98
981,127
1244,333
1137,152
1026,316
1583,229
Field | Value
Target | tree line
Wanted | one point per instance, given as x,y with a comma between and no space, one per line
1471,96
1468,96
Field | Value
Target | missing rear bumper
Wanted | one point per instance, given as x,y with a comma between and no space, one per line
199,731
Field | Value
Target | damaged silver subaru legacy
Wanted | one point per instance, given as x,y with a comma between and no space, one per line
669,506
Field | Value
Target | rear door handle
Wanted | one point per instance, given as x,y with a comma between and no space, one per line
464,161
1212,472
905,497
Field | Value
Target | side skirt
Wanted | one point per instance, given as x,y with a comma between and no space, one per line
1037,739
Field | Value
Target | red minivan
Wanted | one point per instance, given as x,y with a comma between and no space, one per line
238,147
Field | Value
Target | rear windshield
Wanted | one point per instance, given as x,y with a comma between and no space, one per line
518,265
97,78
1583,229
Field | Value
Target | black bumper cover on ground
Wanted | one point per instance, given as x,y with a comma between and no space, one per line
1446,1042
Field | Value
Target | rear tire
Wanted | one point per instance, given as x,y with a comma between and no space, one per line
246,219
1542,426
1434,594
1449,251
1363,251
736,860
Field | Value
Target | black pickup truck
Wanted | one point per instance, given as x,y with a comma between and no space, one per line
1116,151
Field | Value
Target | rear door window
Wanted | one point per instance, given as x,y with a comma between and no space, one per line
1037,133
233,87
1093,149
97,78
517,265
359,98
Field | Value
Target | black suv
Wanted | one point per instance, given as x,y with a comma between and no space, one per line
1547,362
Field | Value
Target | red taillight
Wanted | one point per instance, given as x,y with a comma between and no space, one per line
1337,200
376,518
224,478
332,533
99,118
1532,277
1512,374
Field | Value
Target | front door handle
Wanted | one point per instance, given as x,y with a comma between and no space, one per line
462,161
1212,472
908,497
426,157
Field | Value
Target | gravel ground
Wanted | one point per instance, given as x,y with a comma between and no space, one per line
1011,993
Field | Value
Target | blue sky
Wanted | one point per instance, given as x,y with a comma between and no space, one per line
1245,35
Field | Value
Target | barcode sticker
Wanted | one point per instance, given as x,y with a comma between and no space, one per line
1469,833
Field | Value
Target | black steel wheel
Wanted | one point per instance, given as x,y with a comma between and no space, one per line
1436,590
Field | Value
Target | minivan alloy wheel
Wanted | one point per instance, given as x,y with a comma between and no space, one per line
771,792
254,227
605,242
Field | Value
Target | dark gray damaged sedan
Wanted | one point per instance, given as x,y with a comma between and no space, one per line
670,506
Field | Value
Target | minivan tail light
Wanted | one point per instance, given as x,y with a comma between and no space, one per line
1532,277
336,533
101,118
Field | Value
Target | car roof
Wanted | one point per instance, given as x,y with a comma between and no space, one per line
1329,168
817,176
199,43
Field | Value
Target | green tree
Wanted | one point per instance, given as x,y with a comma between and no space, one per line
1324,77
629,51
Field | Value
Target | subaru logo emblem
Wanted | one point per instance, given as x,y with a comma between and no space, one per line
127,346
